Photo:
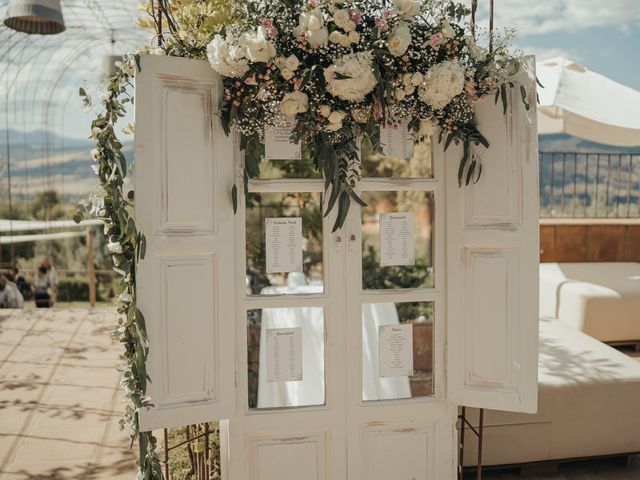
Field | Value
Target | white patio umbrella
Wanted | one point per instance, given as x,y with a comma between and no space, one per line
585,104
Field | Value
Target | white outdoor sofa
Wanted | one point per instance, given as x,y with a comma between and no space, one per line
600,299
588,405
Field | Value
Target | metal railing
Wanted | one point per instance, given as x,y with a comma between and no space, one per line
589,185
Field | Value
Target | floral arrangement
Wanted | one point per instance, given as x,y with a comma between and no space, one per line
338,70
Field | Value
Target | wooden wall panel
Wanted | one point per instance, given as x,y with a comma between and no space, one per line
590,240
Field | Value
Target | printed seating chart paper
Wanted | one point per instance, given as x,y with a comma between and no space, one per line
278,144
397,141
396,239
284,354
284,244
396,350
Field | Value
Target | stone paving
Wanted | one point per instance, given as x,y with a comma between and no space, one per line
59,397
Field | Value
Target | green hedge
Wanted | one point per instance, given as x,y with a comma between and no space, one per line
74,290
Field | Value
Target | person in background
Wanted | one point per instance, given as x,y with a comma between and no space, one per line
53,279
42,288
10,296
21,282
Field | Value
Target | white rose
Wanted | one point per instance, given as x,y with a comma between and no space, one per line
292,62
409,89
417,79
227,57
442,83
337,37
354,37
359,81
294,102
446,29
406,8
335,121
318,38
259,49
399,93
399,40
342,20
406,78
311,26
286,74
324,110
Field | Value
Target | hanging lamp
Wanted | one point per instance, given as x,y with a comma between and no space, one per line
43,17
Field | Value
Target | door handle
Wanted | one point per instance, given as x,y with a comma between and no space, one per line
338,243
352,242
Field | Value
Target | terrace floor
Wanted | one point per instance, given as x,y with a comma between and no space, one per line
60,403
60,397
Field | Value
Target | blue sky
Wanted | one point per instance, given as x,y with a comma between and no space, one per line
603,35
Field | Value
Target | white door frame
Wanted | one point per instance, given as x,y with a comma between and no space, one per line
344,424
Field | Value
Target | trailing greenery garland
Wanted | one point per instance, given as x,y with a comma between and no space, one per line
110,203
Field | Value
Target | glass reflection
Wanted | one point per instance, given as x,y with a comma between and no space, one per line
273,169
377,382
420,165
270,205
418,275
264,390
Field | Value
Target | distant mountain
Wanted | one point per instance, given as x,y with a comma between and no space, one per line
567,143
43,160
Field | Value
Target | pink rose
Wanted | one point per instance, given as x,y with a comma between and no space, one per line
267,23
355,15
435,40
382,24
250,80
314,3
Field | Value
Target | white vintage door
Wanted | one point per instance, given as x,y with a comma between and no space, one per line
183,169
353,365
492,262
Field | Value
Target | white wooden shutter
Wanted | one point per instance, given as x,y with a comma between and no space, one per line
183,175
492,262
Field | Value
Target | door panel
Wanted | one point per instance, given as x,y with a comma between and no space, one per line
183,177
492,264
399,422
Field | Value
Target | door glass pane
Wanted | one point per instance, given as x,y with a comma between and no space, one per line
414,270
280,168
397,350
285,357
308,278
419,165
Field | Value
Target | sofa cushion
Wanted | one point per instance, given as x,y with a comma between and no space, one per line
600,299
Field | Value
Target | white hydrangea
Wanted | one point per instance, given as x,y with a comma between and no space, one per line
351,77
227,56
442,83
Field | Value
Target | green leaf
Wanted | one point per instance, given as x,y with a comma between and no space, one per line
343,210
357,198
523,93
503,95
234,198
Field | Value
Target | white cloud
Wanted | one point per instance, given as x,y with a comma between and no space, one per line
545,16
543,53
